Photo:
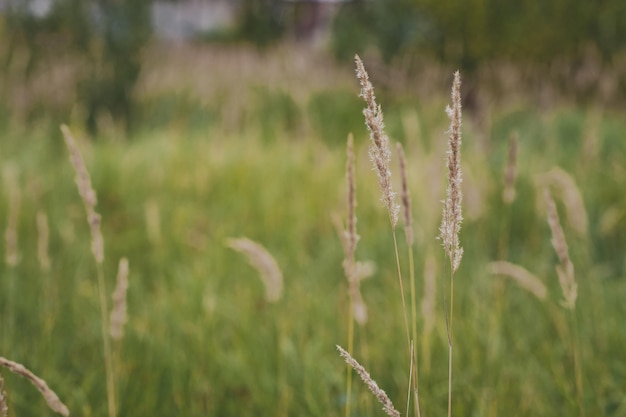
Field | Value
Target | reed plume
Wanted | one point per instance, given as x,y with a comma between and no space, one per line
381,395
119,315
575,211
565,270
264,263
50,396
43,237
522,276
379,152
452,216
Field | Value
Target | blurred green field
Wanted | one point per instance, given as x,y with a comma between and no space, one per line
202,341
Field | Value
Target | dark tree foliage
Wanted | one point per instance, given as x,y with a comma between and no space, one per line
469,32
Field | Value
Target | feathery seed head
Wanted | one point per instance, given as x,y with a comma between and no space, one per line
565,270
264,263
119,315
452,216
510,173
522,276
405,196
379,152
50,396
371,384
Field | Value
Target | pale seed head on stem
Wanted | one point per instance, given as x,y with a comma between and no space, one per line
371,384
379,152
452,216
405,196
566,268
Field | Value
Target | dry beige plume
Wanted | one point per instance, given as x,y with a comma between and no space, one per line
12,255
118,313
43,236
570,194
452,216
566,268
522,276
50,396
405,196
87,194
371,384
379,150
4,408
264,263
510,173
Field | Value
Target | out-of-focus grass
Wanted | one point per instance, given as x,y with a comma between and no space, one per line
201,340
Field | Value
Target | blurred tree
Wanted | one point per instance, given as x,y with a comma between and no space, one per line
469,32
105,35
260,21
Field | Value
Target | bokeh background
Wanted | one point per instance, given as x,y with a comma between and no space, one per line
205,120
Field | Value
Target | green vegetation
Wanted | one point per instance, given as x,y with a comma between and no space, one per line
201,339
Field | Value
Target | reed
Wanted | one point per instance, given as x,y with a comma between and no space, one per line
119,315
52,399
380,155
379,393
452,216
264,263
90,199
567,281
524,278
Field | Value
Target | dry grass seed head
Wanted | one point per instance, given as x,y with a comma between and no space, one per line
565,269
522,276
379,152
371,384
87,194
50,396
264,263
575,211
405,196
452,216
43,237
119,315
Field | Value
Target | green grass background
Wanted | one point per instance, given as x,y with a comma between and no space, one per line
202,341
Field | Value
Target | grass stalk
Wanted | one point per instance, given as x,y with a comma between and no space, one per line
452,217
89,197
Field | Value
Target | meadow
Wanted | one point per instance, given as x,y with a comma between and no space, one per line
260,153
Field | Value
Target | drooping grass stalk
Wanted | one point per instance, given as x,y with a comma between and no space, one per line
272,277
408,233
452,216
89,197
380,394
52,399
567,281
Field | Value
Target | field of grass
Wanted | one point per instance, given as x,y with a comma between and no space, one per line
201,339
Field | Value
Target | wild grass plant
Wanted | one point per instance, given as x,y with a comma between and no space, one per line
197,341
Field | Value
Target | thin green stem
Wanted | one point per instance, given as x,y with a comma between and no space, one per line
577,363
350,348
406,318
106,341
414,330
